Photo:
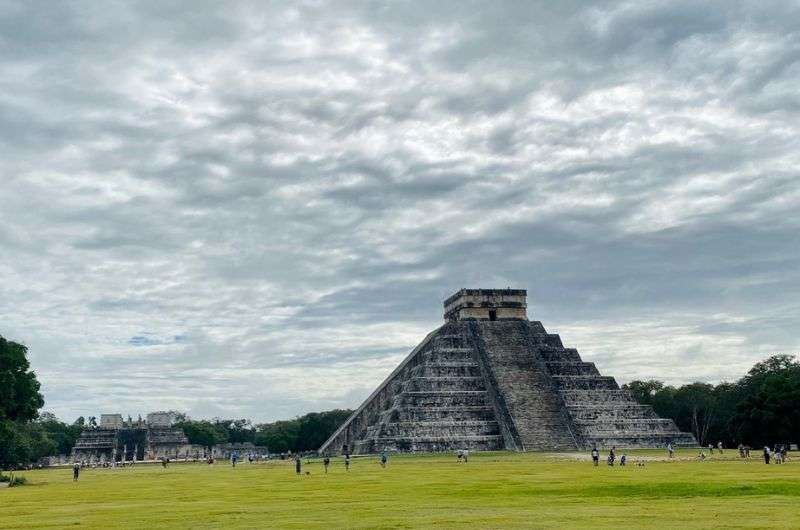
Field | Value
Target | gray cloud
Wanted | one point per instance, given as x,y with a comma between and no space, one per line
256,210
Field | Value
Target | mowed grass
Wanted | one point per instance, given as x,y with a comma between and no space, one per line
493,490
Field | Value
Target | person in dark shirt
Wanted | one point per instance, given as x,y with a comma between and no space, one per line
595,456
76,471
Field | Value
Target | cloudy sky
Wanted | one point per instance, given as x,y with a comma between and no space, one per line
256,209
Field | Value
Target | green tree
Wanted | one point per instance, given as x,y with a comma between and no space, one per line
62,435
306,433
203,433
237,431
278,437
20,401
19,390
761,408
768,408
644,391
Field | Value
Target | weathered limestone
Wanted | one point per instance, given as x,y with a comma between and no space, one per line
490,379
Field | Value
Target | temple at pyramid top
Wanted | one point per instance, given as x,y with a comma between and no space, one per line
486,304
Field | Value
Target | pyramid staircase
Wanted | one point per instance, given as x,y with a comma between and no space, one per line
441,403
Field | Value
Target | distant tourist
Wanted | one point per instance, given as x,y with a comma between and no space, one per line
747,451
766,454
347,462
466,455
670,450
76,471
460,455
384,458
326,463
234,458
297,464
741,451
164,462
719,446
623,459
710,449
595,456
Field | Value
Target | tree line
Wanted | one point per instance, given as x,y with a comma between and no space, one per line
761,408
305,433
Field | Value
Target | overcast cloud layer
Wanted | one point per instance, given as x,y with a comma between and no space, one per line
256,210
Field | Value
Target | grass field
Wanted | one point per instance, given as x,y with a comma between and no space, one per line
493,490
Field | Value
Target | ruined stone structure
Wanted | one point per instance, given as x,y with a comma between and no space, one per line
116,440
491,379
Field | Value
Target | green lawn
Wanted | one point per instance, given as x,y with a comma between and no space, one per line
493,490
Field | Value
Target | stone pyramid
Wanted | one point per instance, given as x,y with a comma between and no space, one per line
491,379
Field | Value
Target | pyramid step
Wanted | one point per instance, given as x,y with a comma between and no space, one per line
440,429
450,341
572,368
446,370
651,425
443,383
439,439
444,398
611,413
549,354
574,397
463,413
585,382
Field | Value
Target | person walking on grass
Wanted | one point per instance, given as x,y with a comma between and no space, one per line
595,456
670,450
719,446
347,462
766,455
623,459
326,462
76,471
384,458
297,464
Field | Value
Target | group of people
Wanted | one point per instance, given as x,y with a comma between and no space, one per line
326,462
611,459
777,454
